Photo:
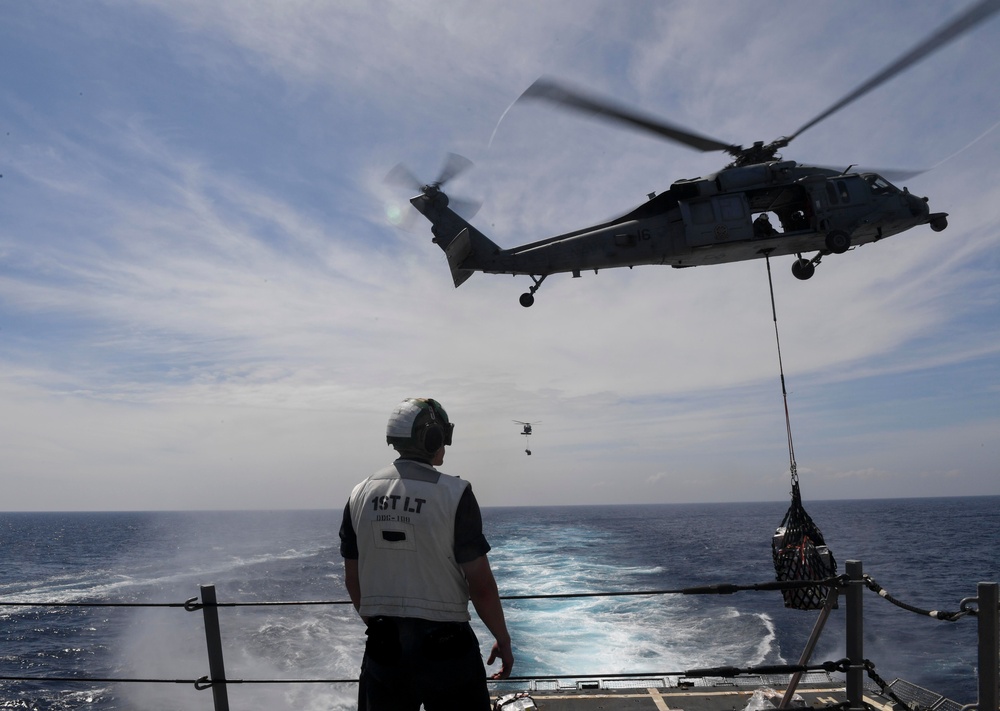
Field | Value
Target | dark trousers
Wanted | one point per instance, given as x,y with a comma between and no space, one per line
410,661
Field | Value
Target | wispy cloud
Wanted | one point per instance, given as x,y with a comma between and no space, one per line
200,288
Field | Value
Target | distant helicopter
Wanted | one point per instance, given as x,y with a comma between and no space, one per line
526,431
718,218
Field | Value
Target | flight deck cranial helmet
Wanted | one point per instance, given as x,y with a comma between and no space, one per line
418,427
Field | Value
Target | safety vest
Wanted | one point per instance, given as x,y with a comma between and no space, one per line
404,519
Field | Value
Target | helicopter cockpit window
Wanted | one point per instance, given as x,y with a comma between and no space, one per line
879,185
831,193
845,196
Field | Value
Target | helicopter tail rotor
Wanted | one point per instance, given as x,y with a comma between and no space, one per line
454,165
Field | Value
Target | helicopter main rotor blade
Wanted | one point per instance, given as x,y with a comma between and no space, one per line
897,175
957,27
563,96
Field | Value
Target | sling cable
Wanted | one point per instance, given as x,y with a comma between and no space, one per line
797,548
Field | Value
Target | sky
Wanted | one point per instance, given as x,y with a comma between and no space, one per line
206,301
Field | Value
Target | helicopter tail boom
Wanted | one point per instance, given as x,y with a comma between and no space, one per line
466,248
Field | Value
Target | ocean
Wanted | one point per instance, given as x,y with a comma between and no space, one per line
929,553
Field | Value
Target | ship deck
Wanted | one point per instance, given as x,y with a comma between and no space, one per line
715,698
653,695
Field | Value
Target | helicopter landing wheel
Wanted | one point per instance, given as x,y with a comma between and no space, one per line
528,297
838,242
939,223
803,269
528,452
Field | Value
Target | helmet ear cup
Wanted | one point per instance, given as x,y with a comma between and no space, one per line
433,437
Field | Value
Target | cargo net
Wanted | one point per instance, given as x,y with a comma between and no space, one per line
800,553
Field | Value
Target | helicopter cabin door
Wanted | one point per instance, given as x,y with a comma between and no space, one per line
716,220
842,203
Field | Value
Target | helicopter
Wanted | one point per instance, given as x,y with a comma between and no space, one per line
719,218
526,431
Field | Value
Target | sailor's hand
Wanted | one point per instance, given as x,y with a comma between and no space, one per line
506,656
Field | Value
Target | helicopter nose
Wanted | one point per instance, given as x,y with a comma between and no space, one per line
918,205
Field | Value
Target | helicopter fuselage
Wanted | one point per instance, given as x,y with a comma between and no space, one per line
723,217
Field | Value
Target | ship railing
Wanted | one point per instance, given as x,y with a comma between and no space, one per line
985,606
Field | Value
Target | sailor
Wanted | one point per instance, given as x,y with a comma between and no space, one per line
762,227
414,556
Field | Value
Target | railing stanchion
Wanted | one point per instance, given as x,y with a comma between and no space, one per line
989,646
213,638
855,635
824,615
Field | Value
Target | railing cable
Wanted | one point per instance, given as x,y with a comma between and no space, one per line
204,682
935,614
193,604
